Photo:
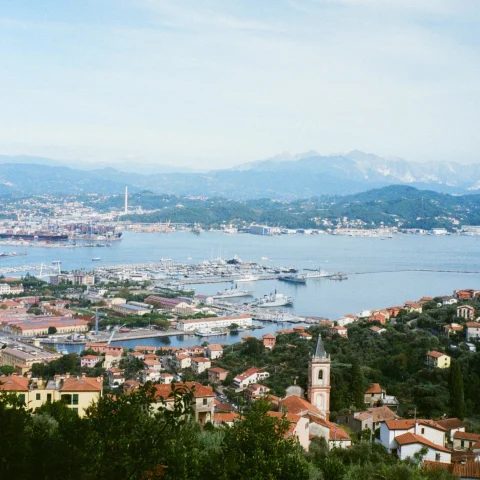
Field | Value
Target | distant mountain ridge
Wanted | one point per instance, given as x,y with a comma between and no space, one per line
283,177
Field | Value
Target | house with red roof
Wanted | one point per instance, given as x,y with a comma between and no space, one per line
203,404
268,341
298,428
252,375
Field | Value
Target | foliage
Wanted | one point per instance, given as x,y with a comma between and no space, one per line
455,383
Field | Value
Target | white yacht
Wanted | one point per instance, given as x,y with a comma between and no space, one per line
293,278
317,274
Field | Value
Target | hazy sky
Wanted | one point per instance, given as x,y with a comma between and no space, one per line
220,82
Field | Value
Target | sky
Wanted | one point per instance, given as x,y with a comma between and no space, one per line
215,83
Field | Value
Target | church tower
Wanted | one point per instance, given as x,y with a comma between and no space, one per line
319,379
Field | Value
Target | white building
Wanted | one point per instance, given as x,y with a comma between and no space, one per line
200,364
215,322
213,351
252,375
473,331
429,430
408,444
7,289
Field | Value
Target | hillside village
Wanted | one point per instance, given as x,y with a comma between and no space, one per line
369,375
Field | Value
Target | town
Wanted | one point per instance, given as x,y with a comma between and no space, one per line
405,377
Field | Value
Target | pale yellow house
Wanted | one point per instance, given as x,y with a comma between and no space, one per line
78,393
436,359
200,364
22,356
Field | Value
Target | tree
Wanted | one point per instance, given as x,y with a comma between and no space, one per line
457,401
124,292
257,449
6,370
357,385
52,330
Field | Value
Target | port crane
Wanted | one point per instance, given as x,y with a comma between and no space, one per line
114,330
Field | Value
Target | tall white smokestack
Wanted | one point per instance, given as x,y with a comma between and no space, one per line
126,200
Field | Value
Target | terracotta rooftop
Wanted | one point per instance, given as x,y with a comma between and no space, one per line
298,405
12,383
377,414
82,384
467,436
451,423
199,391
410,423
215,347
409,438
225,417
435,354
374,388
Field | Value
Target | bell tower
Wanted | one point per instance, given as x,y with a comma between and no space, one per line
319,379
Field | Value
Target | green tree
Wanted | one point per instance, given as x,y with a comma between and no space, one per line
457,401
52,330
357,385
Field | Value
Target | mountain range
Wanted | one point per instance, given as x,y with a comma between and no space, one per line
282,177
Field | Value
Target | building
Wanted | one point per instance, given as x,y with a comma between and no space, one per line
203,404
213,351
409,444
319,379
78,393
451,425
250,376
129,309
184,308
90,361
338,330
40,325
116,377
428,429
255,391
346,320
182,361
413,307
376,396
225,418
473,331
148,349
166,378
105,348
163,302
465,440
368,419
448,300
217,374
200,364
452,329
377,330
22,356
436,359
7,289
215,322
268,341
466,312
150,375
298,427
76,278
260,230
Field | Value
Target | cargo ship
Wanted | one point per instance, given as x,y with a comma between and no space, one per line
46,236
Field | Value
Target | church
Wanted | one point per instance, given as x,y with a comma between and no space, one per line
316,410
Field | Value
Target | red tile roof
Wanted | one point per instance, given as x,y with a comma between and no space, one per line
451,423
374,388
467,436
225,417
12,383
409,438
82,384
298,405
435,354
410,423
199,391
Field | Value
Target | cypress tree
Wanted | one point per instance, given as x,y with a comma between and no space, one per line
357,385
457,400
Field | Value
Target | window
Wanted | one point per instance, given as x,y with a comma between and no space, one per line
37,396
75,399
21,397
423,431
462,443
49,397
437,457
205,401
67,399
320,374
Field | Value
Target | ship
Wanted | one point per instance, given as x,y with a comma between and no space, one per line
47,236
207,332
273,300
233,292
317,274
96,259
293,278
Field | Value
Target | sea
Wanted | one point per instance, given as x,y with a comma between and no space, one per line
381,272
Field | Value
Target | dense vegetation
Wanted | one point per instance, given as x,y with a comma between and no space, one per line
123,438
400,206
